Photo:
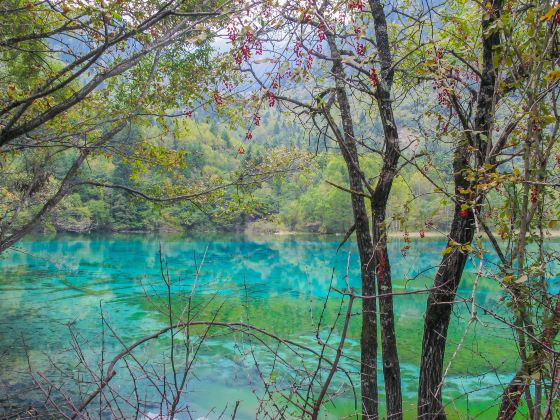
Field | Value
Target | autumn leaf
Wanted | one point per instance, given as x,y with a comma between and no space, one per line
552,76
550,14
447,250
508,279
466,248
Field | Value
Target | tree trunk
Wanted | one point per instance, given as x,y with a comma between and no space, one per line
512,396
448,276
438,314
440,300
380,198
348,148
391,365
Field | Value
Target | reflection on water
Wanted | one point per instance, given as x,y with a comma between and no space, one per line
48,283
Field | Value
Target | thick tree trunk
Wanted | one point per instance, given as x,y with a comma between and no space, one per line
368,369
438,315
369,307
448,276
368,372
441,298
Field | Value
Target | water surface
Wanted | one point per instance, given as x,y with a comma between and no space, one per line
275,282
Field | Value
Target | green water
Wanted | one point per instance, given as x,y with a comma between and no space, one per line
278,283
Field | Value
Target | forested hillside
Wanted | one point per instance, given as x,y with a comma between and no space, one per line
305,200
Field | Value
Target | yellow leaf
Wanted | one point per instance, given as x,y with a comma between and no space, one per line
466,248
552,76
550,14
508,279
447,250
516,172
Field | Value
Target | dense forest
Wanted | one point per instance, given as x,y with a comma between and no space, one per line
302,201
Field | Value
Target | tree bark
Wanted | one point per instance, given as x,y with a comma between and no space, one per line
368,371
448,276
440,300
380,198
438,315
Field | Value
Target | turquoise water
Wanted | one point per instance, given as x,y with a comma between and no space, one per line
51,285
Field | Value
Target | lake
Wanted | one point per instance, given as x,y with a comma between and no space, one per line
52,285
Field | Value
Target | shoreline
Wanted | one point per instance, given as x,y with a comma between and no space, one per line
413,234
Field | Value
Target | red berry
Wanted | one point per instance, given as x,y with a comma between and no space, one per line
246,52
297,49
232,33
357,5
373,77
361,50
218,98
534,194
258,47
321,32
238,57
271,99
406,237
464,214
